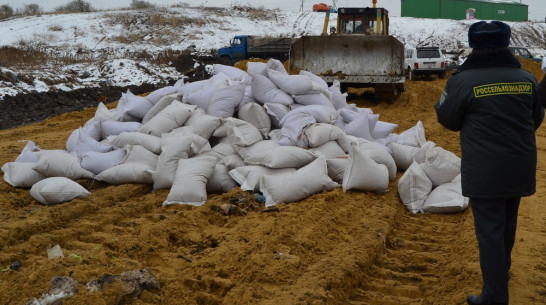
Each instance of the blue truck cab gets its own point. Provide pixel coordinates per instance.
(237, 49)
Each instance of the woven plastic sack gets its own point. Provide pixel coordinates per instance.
(190, 182)
(414, 187)
(21, 174)
(363, 173)
(57, 190)
(61, 164)
(446, 198)
(289, 187)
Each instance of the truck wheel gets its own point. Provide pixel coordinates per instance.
(225, 60)
(442, 75)
(387, 93)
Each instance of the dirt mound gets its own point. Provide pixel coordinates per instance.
(331, 248)
(24, 109)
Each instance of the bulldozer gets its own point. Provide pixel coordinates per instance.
(359, 52)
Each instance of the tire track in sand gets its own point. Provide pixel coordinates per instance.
(420, 261)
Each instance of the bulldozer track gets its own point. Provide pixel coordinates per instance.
(415, 260)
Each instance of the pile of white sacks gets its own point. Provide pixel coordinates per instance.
(285, 136)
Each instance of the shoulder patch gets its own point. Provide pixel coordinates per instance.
(503, 88)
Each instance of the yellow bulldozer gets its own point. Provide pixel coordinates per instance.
(358, 53)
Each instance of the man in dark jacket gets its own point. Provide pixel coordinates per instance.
(496, 107)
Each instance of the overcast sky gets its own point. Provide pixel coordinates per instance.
(537, 8)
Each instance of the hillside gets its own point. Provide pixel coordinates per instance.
(131, 47)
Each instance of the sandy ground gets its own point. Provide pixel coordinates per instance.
(331, 248)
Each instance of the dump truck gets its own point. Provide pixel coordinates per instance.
(247, 46)
(359, 53)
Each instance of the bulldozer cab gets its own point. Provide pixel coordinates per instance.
(367, 20)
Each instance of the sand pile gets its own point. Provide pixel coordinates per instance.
(331, 248)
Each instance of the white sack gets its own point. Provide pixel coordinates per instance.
(155, 96)
(420, 154)
(275, 64)
(256, 68)
(220, 181)
(281, 157)
(339, 100)
(233, 161)
(21, 174)
(414, 136)
(203, 124)
(93, 130)
(242, 133)
(172, 117)
(173, 148)
(275, 135)
(359, 127)
(336, 168)
(85, 143)
(404, 155)
(61, 164)
(127, 173)
(414, 187)
(296, 120)
(322, 133)
(383, 129)
(294, 84)
(192, 87)
(380, 155)
(150, 142)
(190, 182)
(111, 127)
(199, 145)
(57, 190)
(276, 112)
(133, 105)
(265, 91)
(315, 78)
(29, 153)
(248, 97)
(137, 154)
(314, 99)
(248, 177)
(256, 115)
(441, 166)
(362, 173)
(226, 99)
(160, 105)
(103, 113)
(446, 198)
(256, 148)
(232, 73)
(329, 150)
(97, 162)
(289, 187)
(203, 95)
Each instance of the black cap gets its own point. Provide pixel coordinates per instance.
(494, 34)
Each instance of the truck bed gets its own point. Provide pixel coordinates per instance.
(268, 45)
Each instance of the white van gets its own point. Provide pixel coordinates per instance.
(424, 61)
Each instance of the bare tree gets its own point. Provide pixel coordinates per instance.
(6, 11)
(32, 9)
(75, 6)
(141, 4)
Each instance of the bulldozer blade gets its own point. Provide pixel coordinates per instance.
(366, 60)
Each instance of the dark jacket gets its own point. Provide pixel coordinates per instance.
(542, 91)
(495, 106)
